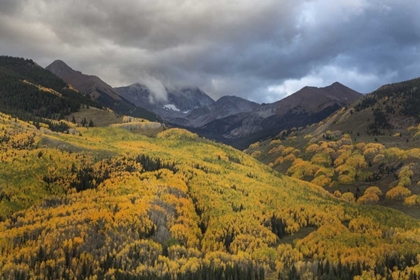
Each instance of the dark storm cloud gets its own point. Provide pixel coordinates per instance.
(261, 50)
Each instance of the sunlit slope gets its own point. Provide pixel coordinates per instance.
(338, 155)
(108, 202)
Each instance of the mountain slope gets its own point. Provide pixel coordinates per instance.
(224, 107)
(312, 100)
(187, 107)
(112, 203)
(307, 106)
(374, 142)
(32, 93)
(97, 89)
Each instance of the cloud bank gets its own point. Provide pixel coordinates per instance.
(260, 50)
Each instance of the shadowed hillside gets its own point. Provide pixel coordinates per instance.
(32, 93)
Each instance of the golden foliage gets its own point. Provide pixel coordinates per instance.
(278, 160)
(394, 153)
(360, 146)
(177, 134)
(288, 150)
(277, 149)
(405, 182)
(373, 189)
(312, 148)
(321, 159)
(413, 153)
(254, 145)
(368, 198)
(322, 181)
(337, 193)
(348, 196)
(291, 138)
(413, 200)
(405, 171)
(91, 207)
(275, 142)
(370, 150)
(341, 159)
(398, 193)
(356, 161)
(290, 158)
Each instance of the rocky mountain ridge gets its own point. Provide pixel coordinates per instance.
(231, 119)
(97, 89)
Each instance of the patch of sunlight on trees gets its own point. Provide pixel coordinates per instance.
(177, 134)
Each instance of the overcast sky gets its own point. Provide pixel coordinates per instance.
(262, 50)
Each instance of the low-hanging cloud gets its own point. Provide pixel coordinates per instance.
(260, 50)
(156, 88)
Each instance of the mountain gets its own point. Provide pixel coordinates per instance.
(224, 107)
(31, 93)
(187, 107)
(113, 204)
(311, 100)
(97, 89)
(307, 106)
(373, 142)
(178, 104)
(232, 120)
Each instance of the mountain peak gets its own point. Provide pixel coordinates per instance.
(234, 99)
(59, 63)
(59, 67)
(337, 85)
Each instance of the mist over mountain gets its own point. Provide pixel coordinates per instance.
(230, 119)
(177, 104)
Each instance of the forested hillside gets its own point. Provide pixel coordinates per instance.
(371, 145)
(29, 92)
(107, 203)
